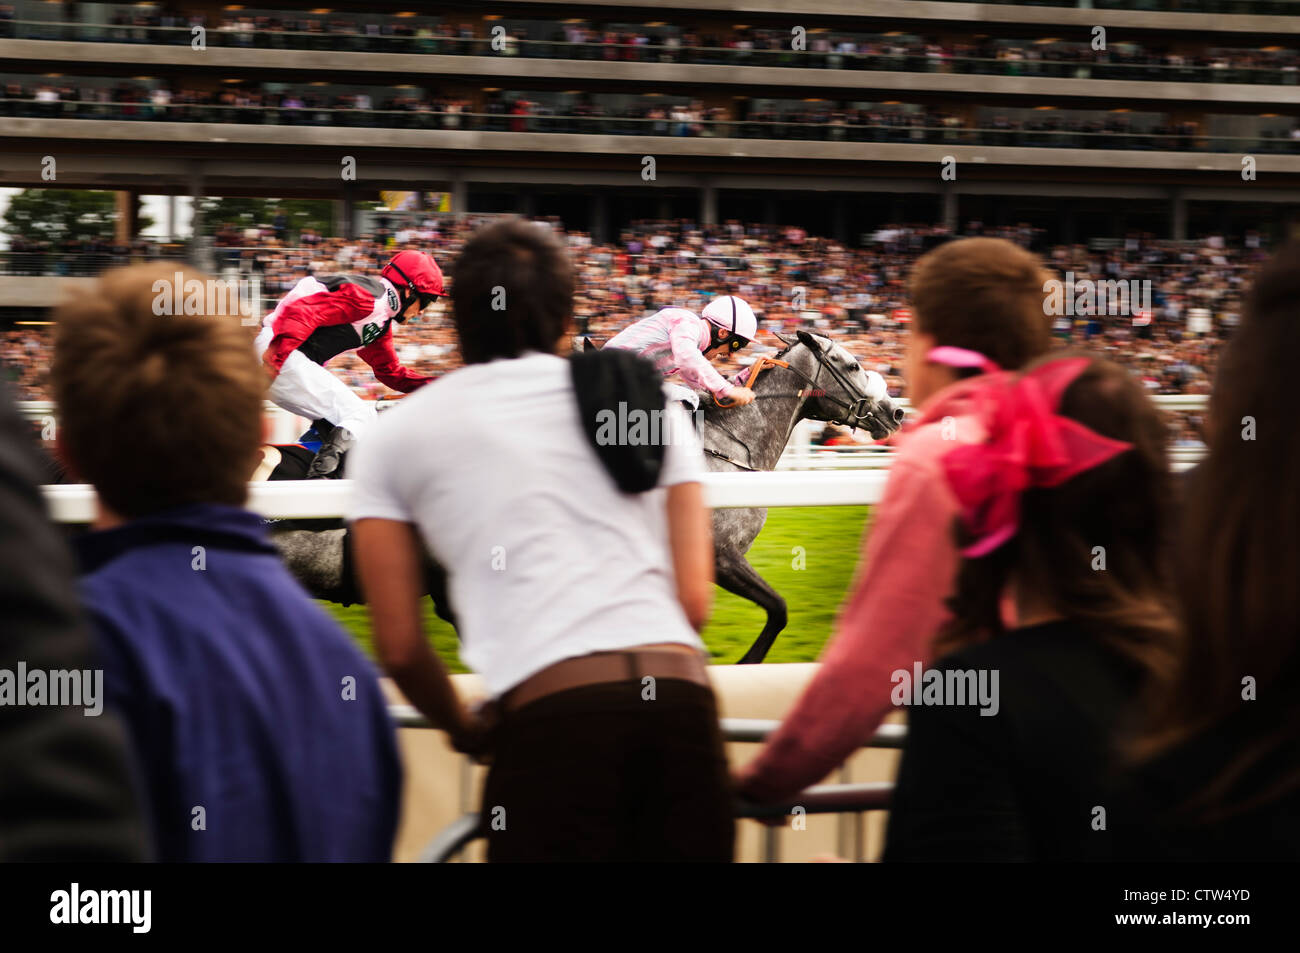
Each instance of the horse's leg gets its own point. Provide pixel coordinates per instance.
(319, 560)
(736, 575)
(322, 561)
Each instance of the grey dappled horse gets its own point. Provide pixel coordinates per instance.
(822, 382)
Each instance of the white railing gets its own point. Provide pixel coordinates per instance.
(850, 477)
(866, 458)
(323, 499)
(802, 454)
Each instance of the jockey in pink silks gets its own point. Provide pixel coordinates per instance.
(678, 342)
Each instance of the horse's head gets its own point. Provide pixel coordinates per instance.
(839, 390)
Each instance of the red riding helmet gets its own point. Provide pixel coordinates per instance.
(415, 275)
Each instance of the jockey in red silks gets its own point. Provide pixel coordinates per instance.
(324, 316)
(678, 341)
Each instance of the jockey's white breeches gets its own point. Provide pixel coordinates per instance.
(305, 388)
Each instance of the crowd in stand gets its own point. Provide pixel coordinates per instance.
(823, 120)
(1144, 709)
(686, 44)
(792, 279)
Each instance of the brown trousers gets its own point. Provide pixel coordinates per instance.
(600, 774)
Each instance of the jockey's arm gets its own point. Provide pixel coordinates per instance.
(388, 370)
(300, 318)
(692, 365)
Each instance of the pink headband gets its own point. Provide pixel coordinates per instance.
(961, 357)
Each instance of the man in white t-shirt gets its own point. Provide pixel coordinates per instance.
(577, 602)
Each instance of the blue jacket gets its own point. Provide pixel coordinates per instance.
(242, 696)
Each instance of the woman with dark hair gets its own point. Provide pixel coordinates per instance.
(1061, 618)
(1219, 771)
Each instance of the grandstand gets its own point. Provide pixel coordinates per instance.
(535, 109)
(553, 111)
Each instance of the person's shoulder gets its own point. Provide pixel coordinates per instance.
(130, 578)
(136, 597)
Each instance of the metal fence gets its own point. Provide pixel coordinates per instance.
(842, 798)
(903, 128)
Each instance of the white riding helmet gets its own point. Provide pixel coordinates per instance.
(735, 315)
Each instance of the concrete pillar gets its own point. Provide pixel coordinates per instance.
(346, 210)
(708, 205)
(459, 197)
(126, 224)
(950, 208)
(200, 245)
(1069, 225)
(839, 222)
(599, 218)
(196, 197)
(171, 218)
(1178, 216)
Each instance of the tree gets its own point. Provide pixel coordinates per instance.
(242, 212)
(58, 215)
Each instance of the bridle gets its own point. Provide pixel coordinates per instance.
(858, 411)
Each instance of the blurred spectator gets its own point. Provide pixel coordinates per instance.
(66, 790)
(259, 729)
(1220, 776)
(582, 620)
(1054, 646)
(976, 301)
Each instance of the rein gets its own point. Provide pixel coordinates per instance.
(761, 363)
(856, 411)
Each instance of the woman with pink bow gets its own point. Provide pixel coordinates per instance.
(1062, 620)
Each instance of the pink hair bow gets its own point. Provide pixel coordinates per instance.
(1029, 445)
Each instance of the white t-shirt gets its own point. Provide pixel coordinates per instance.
(546, 558)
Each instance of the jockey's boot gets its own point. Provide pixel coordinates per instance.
(327, 458)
